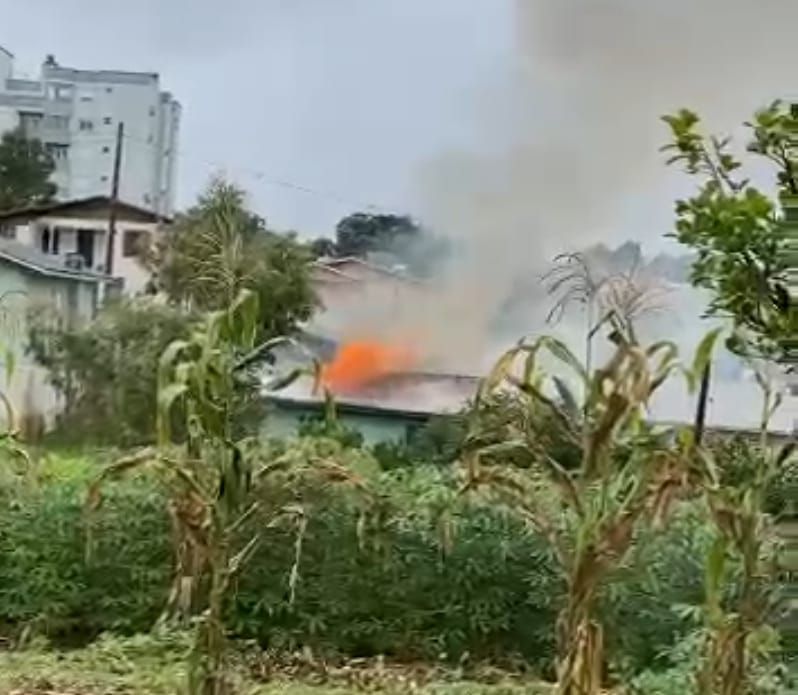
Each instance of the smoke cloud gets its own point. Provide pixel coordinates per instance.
(570, 157)
(572, 144)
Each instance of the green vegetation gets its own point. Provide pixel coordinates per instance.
(547, 534)
(25, 168)
(737, 231)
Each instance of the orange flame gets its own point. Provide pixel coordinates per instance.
(358, 363)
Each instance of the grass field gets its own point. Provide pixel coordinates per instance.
(147, 666)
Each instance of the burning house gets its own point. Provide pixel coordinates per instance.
(385, 385)
(381, 384)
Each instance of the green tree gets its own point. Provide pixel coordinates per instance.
(106, 370)
(362, 233)
(219, 247)
(25, 169)
(738, 232)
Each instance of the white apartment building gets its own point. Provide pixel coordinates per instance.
(76, 114)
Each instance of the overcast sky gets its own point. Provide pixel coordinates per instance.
(348, 97)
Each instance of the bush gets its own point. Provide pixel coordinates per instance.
(436, 578)
(106, 371)
(45, 579)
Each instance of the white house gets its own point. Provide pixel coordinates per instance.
(33, 283)
(76, 233)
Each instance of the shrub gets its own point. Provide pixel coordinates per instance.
(106, 371)
(45, 580)
(435, 577)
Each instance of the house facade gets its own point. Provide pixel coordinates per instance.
(75, 234)
(41, 285)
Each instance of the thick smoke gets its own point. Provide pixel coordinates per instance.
(570, 157)
(571, 149)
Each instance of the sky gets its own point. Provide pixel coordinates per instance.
(347, 98)
(524, 127)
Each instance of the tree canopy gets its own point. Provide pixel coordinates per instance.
(25, 169)
(388, 239)
(218, 247)
(738, 232)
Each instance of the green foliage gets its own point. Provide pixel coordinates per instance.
(735, 229)
(360, 233)
(432, 576)
(626, 476)
(46, 585)
(385, 239)
(105, 370)
(218, 248)
(25, 169)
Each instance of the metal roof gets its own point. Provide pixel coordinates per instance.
(43, 263)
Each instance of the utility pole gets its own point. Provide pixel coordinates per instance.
(109, 247)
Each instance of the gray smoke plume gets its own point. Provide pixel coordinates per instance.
(570, 156)
(571, 145)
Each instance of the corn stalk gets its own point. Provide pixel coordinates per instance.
(745, 533)
(215, 482)
(627, 472)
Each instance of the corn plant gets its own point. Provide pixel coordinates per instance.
(627, 472)
(218, 484)
(739, 631)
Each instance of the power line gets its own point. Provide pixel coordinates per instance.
(259, 175)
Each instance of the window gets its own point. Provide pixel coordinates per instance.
(108, 90)
(57, 151)
(86, 97)
(60, 92)
(55, 242)
(106, 149)
(30, 122)
(104, 178)
(134, 242)
(57, 122)
(85, 124)
(152, 110)
(107, 120)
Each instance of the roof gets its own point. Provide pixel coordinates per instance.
(52, 266)
(338, 265)
(92, 202)
(353, 408)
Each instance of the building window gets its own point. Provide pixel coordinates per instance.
(85, 124)
(55, 242)
(57, 122)
(30, 123)
(134, 242)
(108, 90)
(57, 151)
(106, 149)
(87, 96)
(152, 110)
(107, 120)
(104, 178)
(60, 92)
